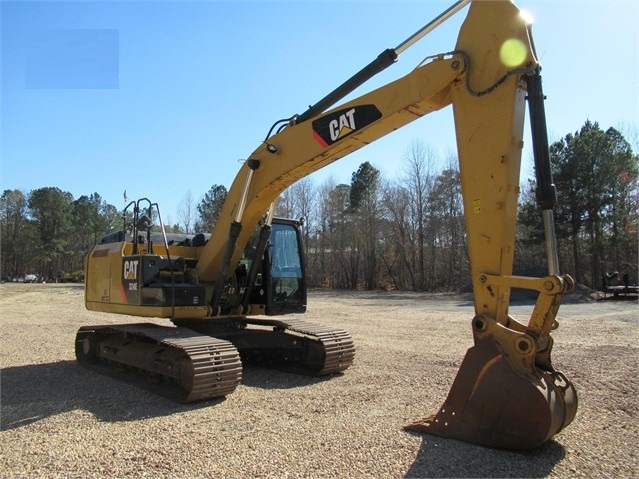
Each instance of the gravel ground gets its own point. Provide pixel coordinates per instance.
(61, 420)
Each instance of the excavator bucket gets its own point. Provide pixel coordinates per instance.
(500, 401)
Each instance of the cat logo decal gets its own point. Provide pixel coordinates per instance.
(342, 123)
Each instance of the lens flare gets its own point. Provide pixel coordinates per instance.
(513, 53)
(527, 17)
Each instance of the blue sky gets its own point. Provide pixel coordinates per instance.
(160, 98)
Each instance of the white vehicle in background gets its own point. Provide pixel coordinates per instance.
(31, 278)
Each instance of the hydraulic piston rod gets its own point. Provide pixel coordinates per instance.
(383, 61)
(546, 193)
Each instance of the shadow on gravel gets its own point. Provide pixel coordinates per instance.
(439, 457)
(259, 377)
(34, 392)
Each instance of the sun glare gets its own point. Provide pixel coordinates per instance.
(527, 17)
(512, 53)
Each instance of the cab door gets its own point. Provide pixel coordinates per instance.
(284, 261)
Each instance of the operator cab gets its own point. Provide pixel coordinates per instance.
(280, 280)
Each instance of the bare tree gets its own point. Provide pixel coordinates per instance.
(450, 260)
(401, 237)
(630, 131)
(186, 211)
(421, 161)
(284, 206)
(304, 201)
(335, 249)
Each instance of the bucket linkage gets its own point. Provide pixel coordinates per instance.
(506, 393)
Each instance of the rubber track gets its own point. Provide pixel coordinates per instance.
(338, 344)
(217, 368)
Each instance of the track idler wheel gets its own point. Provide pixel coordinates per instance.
(86, 347)
(502, 399)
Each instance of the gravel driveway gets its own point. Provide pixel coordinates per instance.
(61, 420)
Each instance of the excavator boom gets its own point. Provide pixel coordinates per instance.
(507, 393)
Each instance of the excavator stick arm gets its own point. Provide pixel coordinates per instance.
(506, 393)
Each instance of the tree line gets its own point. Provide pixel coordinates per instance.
(407, 233)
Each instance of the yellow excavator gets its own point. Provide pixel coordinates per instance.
(226, 292)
